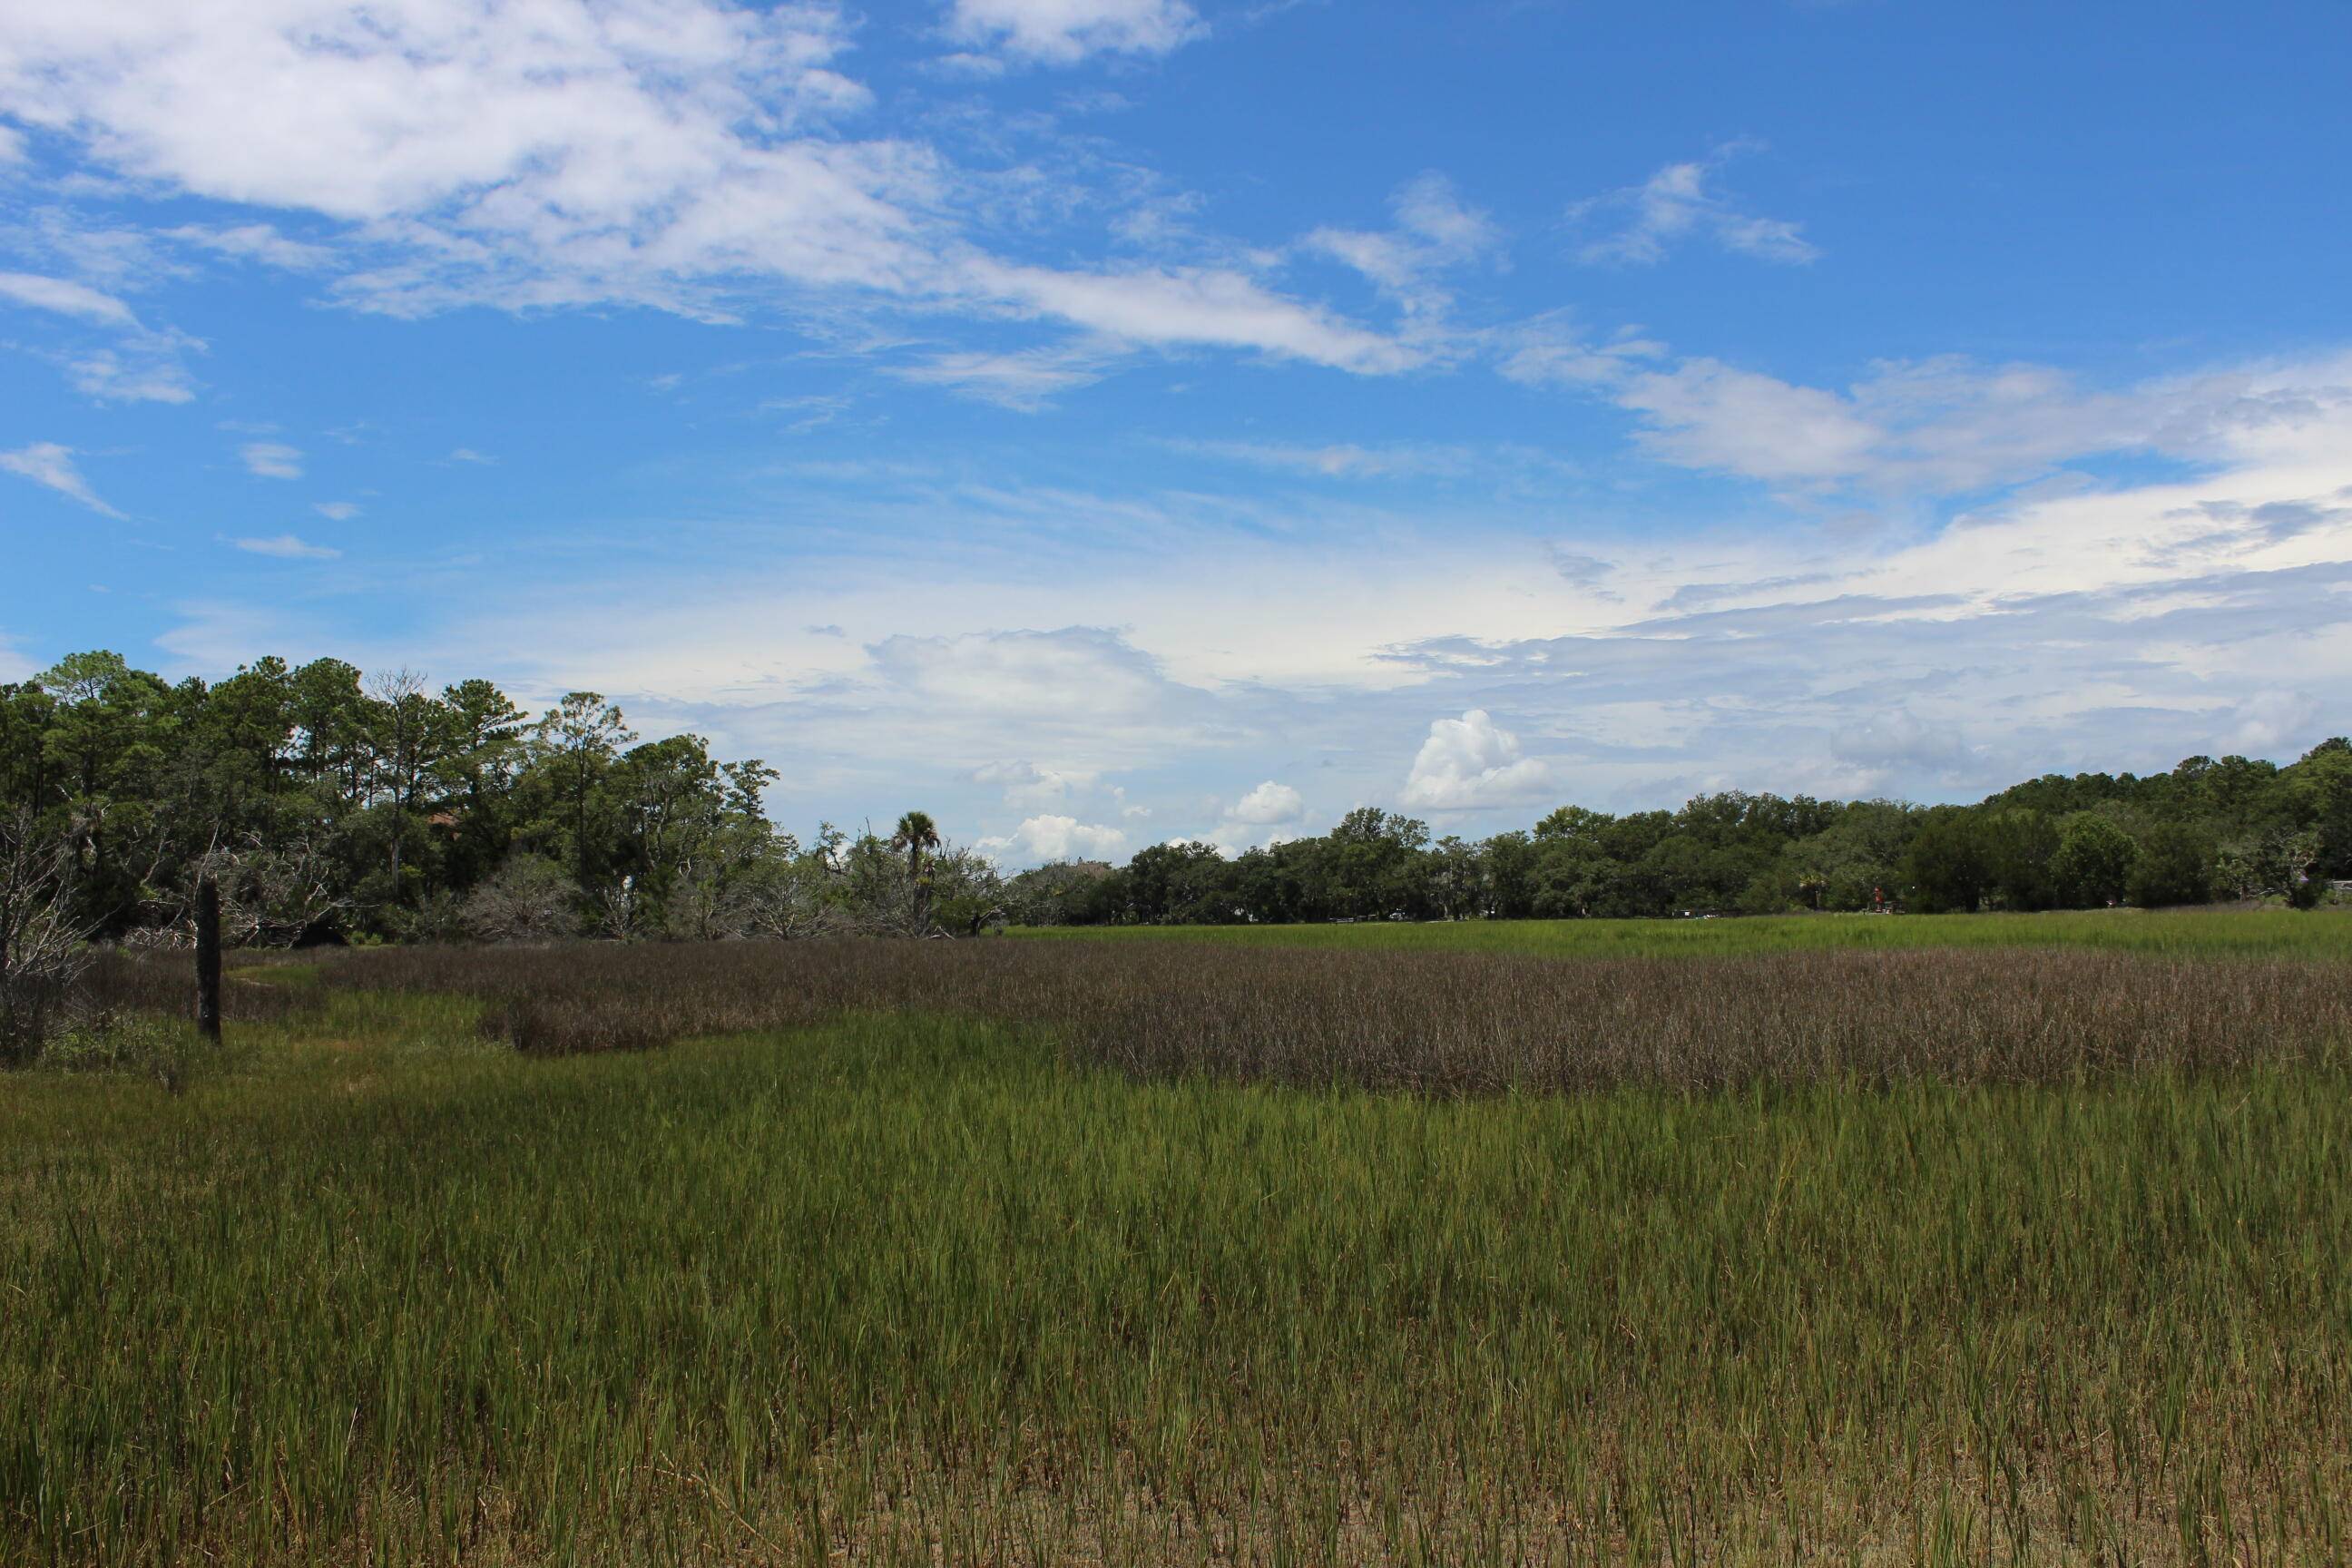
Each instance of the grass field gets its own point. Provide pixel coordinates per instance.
(2262, 932)
(910, 1253)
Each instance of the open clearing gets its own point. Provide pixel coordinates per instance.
(1049, 1251)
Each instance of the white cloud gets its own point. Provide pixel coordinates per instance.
(140, 375)
(1338, 459)
(1949, 425)
(144, 365)
(286, 547)
(1704, 415)
(1675, 205)
(271, 460)
(1552, 350)
(1081, 674)
(682, 157)
(255, 242)
(1159, 306)
(1470, 763)
(1063, 31)
(1267, 804)
(337, 511)
(66, 299)
(1025, 381)
(1435, 230)
(47, 463)
(1053, 837)
(467, 455)
(1026, 785)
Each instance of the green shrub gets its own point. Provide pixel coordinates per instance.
(141, 1044)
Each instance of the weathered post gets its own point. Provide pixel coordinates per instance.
(208, 959)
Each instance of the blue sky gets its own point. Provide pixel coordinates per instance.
(1101, 421)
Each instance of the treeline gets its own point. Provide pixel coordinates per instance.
(330, 806)
(2233, 828)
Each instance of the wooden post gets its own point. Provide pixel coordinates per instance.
(208, 959)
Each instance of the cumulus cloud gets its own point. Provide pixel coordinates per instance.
(1054, 837)
(337, 511)
(1064, 32)
(50, 464)
(1471, 762)
(286, 547)
(271, 460)
(1677, 205)
(1268, 804)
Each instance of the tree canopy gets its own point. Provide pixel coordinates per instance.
(331, 804)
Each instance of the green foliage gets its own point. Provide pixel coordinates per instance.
(2175, 865)
(337, 806)
(138, 1045)
(331, 806)
(2095, 862)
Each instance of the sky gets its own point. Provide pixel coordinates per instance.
(1099, 422)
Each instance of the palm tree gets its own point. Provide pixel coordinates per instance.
(916, 834)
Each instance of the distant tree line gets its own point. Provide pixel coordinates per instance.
(2232, 828)
(330, 806)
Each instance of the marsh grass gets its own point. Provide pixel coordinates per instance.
(1047, 1253)
(1438, 1023)
(913, 1289)
(2216, 932)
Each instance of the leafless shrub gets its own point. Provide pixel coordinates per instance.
(274, 894)
(530, 900)
(43, 947)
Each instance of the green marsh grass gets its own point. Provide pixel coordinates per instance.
(936, 1284)
(2325, 933)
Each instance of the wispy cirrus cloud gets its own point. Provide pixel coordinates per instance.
(1064, 32)
(271, 459)
(1030, 784)
(1681, 203)
(64, 296)
(50, 465)
(286, 547)
(1435, 232)
(1026, 379)
(1952, 426)
(258, 242)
